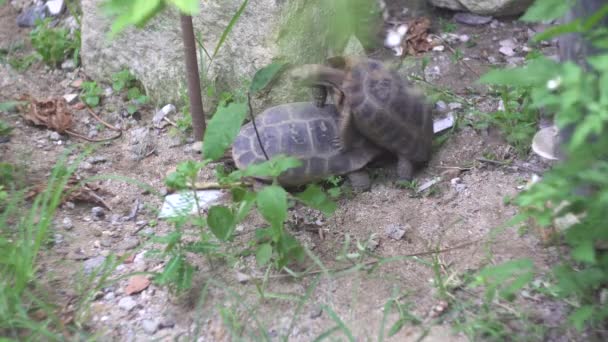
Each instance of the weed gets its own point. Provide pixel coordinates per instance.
(517, 121)
(22, 63)
(457, 56)
(410, 185)
(54, 44)
(5, 129)
(91, 93)
(447, 26)
(125, 80)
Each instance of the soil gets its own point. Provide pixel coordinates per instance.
(461, 216)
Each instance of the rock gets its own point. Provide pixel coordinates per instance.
(128, 244)
(67, 223)
(167, 322)
(149, 326)
(109, 296)
(28, 17)
(137, 284)
(316, 312)
(166, 110)
(394, 231)
(138, 135)
(57, 238)
(266, 29)
(495, 8)
(93, 263)
(98, 213)
(70, 98)
(68, 65)
(127, 303)
(54, 136)
(472, 19)
(507, 51)
(96, 159)
(438, 48)
(55, 7)
(197, 147)
(455, 105)
(441, 106)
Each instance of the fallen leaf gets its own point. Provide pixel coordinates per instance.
(52, 113)
(137, 284)
(416, 40)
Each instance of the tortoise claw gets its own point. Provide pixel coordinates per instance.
(337, 144)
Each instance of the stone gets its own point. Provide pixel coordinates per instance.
(149, 326)
(28, 17)
(54, 136)
(266, 29)
(98, 213)
(394, 231)
(67, 223)
(127, 303)
(472, 19)
(93, 263)
(137, 284)
(495, 8)
(68, 65)
(55, 7)
(70, 98)
(166, 110)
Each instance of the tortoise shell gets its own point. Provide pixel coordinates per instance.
(307, 132)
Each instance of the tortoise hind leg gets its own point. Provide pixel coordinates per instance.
(359, 181)
(347, 132)
(405, 170)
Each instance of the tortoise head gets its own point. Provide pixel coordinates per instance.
(316, 74)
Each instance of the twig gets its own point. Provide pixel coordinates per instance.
(369, 263)
(170, 122)
(102, 121)
(77, 135)
(454, 52)
(255, 128)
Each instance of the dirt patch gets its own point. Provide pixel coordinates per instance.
(456, 215)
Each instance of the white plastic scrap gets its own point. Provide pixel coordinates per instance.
(444, 123)
(184, 203)
(394, 39)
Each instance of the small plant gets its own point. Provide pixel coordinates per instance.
(54, 44)
(91, 93)
(447, 26)
(125, 80)
(457, 56)
(5, 129)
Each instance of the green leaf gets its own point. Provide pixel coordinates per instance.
(170, 271)
(272, 203)
(201, 247)
(245, 205)
(184, 277)
(580, 316)
(222, 129)
(228, 28)
(10, 106)
(221, 221)
(584, 252)
(314, 197)
(263, 254)
(546, 10)
(599, 63)
(551, 32)
(189, 7)
(266, 75)
(271, 168)
(536, 73)
(92, 101)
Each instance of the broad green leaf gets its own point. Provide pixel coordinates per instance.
(314, 197)
(228, 28)
(272, 203)
(581, 316)
(552, 32)
(221, 222)
(263, 254)
(536, 73)
(271, 168)
(265, 76)
(599, 63)
(584, 252)
(222, 129)
(10, 106)
(542, 10)
(190, 7)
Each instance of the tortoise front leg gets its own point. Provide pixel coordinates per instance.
(347, 129)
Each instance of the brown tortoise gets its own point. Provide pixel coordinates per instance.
(307, 132)
(377, 103)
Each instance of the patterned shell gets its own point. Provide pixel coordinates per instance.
(304, 131)
(386, 108)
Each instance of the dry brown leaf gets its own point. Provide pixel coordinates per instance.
(137, 284)
(52, 113)
(74, 192)
(416, 40)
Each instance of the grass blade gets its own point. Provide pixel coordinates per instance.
(228, 28)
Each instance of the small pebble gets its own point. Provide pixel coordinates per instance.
(127, 304)
(68, 65)
(93, 263)
(316, 312)
(394, 231)
(441, 106)
(58, 238)
(70, 98)
(54, 136)
(471, 19)
(28, 17)
(455, 105)
(98, 213)
(67, 223)
(149, 326)
(109, 296)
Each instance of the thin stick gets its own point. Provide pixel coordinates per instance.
(255, 127)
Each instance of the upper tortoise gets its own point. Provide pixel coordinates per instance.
(376, 102)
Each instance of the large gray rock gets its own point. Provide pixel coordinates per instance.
(495, 8)
(154, 54)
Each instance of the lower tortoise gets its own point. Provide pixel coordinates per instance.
(307, 132)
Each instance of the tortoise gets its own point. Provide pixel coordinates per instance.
(305, 131)
(377, 103)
